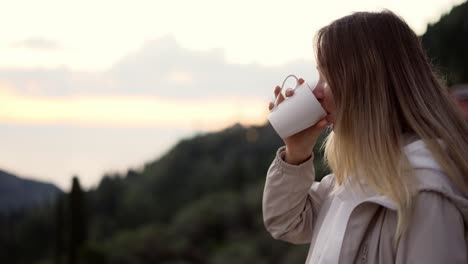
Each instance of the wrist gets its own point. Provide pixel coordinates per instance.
(296, 157)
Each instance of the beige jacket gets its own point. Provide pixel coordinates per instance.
(294, 204)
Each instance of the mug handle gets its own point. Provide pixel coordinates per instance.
(275, 104)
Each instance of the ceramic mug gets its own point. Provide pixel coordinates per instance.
(297, 112)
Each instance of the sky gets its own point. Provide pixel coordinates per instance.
(89, 88)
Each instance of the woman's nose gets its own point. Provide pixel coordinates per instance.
(318, 91)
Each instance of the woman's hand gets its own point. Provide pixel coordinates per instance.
(299, 147)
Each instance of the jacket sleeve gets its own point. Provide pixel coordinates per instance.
(292, 199)
(436, 233)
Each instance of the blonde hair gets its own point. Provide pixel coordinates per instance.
(384, 87)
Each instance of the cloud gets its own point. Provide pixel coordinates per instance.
(160, 68)
(63, 122)
(37, 43)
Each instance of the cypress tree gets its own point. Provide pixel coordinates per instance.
(78, 223)
(59, 229)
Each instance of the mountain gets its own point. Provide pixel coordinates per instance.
(234, 159)
(198, 203)
(17, 193)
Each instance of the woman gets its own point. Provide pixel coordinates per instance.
(398, 152)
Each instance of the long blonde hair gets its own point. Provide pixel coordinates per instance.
(384, 87)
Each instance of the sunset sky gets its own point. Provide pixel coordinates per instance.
(92, 87)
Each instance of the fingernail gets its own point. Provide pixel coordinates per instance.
(301, 81)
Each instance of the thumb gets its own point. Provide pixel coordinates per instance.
(322, 123)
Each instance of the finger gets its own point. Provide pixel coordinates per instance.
(300, 81)
(270, 106)
(277, 91)
(280, 98)
(322, 123)
(289, 92)
(319, 125)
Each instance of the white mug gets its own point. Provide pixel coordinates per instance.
(297, 112)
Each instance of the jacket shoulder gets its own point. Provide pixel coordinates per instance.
(438, 182)
(435, 223)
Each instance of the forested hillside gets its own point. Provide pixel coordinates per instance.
(446, 43)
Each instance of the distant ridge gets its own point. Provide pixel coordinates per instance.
(17, 193)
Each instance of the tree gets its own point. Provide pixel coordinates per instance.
(78, 221)
(59, 229)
